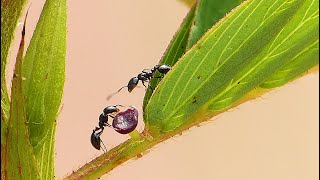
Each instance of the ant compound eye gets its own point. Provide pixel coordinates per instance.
(95, 140)
(126, 121)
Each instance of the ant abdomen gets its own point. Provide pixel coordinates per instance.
(132, 83)
(95, 139)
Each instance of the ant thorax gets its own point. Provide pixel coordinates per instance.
(145, 76)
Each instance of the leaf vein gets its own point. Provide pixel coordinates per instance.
(212, 47)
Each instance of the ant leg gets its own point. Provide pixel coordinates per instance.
(107, 124)
(159, 77)
(152, 89)
(149, 85)
(119, 105)
(144, 84)
(104, 147)
(96, 129)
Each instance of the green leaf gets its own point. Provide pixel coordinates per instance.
(208, 12)
(44, 76)
(306, 59)
(189, 3)
(202, 16)
(18, 159)
(245, 49)
(174, 51)
(10, 13)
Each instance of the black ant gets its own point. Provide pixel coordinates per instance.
(124, 123)
(145, 76)
(103, 122)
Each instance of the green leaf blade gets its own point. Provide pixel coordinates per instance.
(202, 16)
(211, 78)
(10, 13)
(44, 76)
(175, 50)
(188, 2)
(281, 50)
(18, 158)
(208, 12)
(304, 61)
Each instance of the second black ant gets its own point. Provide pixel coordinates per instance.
(145, 76)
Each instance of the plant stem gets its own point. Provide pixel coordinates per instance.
(118, 155)
(135, 134)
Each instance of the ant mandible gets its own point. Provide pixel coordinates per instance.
(146, 76)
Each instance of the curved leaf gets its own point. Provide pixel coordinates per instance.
(18, 160)
(208, 12)
(174, 51)
(188, 2)
(202, 16)
(306, 59)
(233, 58)
(44, 75)
(10, 13)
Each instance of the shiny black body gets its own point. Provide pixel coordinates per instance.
(146, 76)
(123, 122)
(95, 139)
(103, 122)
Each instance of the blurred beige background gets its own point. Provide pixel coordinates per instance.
(273, 137)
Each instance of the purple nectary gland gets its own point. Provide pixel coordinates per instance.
(126, 121)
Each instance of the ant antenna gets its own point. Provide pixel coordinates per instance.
(121, 88)
(145, 70)
(119, 105)
(112, 94)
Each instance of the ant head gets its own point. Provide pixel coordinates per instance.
(110, 109)
(132, 83)
(95, 140)
(164, 69)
